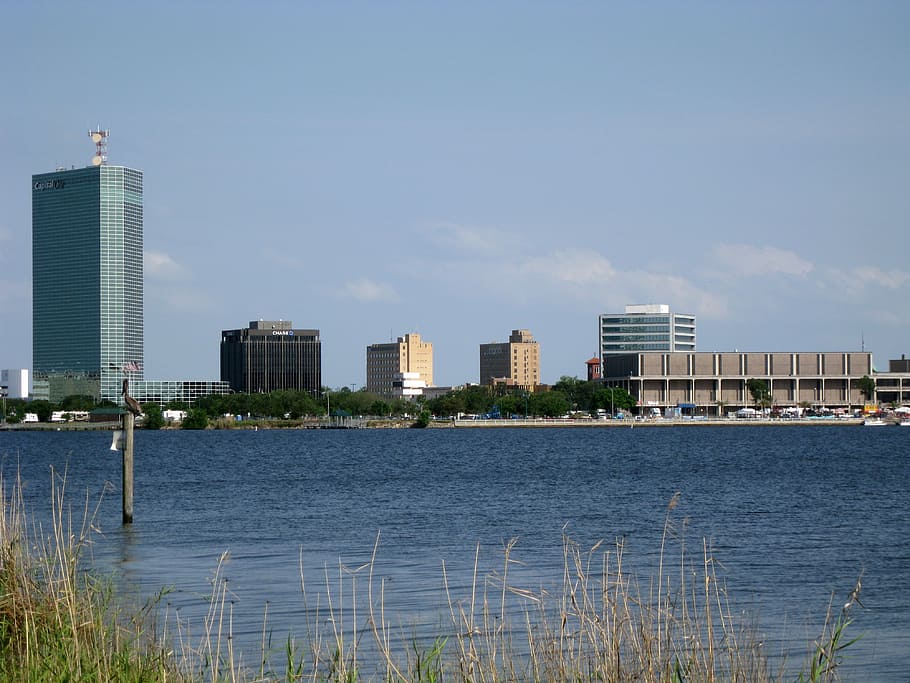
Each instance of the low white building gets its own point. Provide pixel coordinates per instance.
(69, 416)
(408, 385)
(15, 383)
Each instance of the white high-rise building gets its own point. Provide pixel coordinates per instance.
(645, 327)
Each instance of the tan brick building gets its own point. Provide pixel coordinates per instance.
(516, 362)
(387, 363)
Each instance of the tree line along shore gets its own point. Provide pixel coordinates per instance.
(568, 402)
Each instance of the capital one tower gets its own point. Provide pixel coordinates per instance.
(87, 293)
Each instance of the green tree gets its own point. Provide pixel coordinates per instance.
(866, 386)
(380, 408)
(509, 405)
(15, 409)
(196, 418)
(477, 399)
(260, 405)
(473, 399)
(306, 404)
(570, 387)
(42, 409)
(360, 402)
(343, 399)
(153, 416)
(400, 406)
(549, 403)
(758, 389)
(280, 403)
(77, 402)
(447, 405)
(613, 399)
(211, 404)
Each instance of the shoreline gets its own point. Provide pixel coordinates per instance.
(538, 423)
(658, 423)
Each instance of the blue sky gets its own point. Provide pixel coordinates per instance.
(464, 169)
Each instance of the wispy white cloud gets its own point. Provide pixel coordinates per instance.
(162, 289)
(464, 238)
(859, 283)
(750, 261)
(872, 276)
(685, 295)
(368, 291)
(590, 279)
(572, 266)
(573, 276)
(160, 265)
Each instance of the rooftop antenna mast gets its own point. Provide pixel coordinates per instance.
(99, 137)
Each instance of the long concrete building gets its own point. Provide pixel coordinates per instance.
(893, 387)
(710, 383)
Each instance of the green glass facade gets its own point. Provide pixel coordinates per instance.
(87, 281)
(163, 392)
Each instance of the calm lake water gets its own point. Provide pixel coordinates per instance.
(795, 514)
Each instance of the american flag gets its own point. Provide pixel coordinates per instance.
(130, 366)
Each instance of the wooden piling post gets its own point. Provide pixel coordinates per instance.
(128, 419)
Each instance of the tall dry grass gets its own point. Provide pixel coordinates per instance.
(58, 622)
(600, 623)
(597, 622)
(603, 626)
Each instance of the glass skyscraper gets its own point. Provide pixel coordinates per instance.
(87, 291)
(645, 327)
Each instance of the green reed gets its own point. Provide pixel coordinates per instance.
(597, 622)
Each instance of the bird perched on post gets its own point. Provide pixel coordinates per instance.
(132, 404)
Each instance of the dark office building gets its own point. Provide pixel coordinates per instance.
(271, 355)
